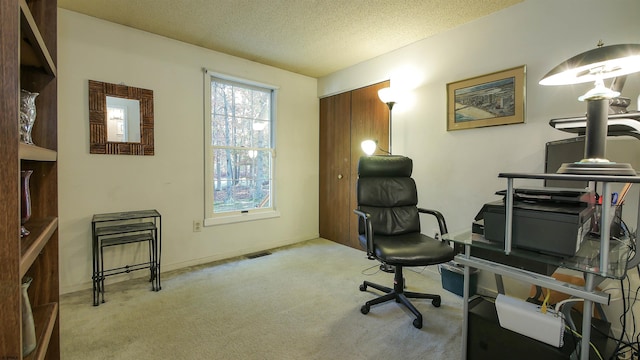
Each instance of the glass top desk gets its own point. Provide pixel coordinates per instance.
(598, 257)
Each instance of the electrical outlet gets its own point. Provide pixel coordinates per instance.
(197, 225)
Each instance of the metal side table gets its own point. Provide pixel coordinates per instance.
(122, 228)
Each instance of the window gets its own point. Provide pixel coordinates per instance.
(239, 148)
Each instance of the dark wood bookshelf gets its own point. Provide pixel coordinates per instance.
(28, 53)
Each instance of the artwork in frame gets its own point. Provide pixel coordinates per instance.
(488, 100)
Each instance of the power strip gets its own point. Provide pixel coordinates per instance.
(527, 319)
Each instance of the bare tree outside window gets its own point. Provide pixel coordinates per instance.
(241, 145)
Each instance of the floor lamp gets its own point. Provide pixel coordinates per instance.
(603, 62)
(387, 96)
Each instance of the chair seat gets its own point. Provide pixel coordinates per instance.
(413, 249)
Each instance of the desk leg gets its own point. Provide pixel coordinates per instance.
(586, 318)
(465, 305)
(499, 284)
(155, 271)
(94, 276)
(102, 271)
(159, 253)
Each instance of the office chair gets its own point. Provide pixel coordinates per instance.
(389, 227)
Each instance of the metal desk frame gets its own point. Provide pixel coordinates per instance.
(587, 292)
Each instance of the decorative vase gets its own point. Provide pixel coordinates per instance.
(25, 201)
(27, 115)
(28, 327)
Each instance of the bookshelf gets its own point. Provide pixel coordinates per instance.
(28, 61)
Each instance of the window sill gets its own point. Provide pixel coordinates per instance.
(236, 218)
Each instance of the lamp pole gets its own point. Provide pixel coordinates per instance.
(390, 105)
(389, 97)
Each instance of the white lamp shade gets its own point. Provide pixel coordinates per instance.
(387, 95)
(600, 63)
(369, 147)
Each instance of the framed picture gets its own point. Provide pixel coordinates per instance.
(487, 100)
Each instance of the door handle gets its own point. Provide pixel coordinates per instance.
(339, 176)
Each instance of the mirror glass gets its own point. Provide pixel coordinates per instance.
(120, 119)
(123, 120)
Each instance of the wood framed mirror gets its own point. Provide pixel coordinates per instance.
(120, 119)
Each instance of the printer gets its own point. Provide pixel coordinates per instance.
(552, 221)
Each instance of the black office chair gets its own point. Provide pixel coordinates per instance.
(389, 227)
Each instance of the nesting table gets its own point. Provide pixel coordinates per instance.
(119, 229)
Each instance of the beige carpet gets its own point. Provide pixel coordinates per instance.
(300, 302)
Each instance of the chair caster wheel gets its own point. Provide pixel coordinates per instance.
(417, 324)
(363, 287)
(436, 302)
(364, 309)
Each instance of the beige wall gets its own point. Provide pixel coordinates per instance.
(458, 171)
(172, 180)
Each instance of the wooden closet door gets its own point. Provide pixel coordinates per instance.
(345, 121)
(369, 120)
(335, 167)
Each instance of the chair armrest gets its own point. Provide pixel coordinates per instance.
(438, 215)
(368, 231)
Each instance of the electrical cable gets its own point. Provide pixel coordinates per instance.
(609, 337)
(628, 307)
(631, 305)
(421, 271)
(364, 272)
(628, 302)
(638, 270)
(575, 333)
(633, 340)
(560, 303)
(623, 320)
(543, 308)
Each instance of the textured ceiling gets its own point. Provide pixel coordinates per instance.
(309, 37)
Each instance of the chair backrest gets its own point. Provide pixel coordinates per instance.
(387, 192)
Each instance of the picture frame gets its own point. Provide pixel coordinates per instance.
(488, 100)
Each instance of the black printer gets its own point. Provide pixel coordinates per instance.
(553, 221)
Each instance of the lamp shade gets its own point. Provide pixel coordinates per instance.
(369, 146)
(387, 95)
(602, 62)
(594, 66)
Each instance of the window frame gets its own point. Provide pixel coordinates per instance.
(210, 218)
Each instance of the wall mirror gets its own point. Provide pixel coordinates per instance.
(120, 119)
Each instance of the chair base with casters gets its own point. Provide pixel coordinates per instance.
(399, 295)
(389, 228)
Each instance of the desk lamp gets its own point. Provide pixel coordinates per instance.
(595, 65)
(370, 146)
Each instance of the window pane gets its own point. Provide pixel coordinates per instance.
(243, 122)
(242, 179)
(261, 133)
(241, 146)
